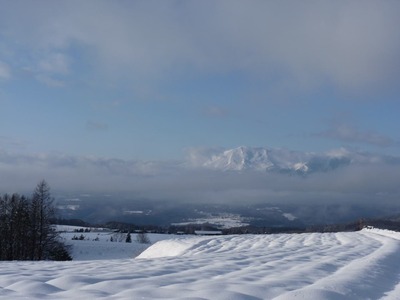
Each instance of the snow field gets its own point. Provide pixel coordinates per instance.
(97, 245)
(353, 265)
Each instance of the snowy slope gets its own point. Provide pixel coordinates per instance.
(356, 265)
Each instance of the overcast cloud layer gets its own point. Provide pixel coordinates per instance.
(353, 46)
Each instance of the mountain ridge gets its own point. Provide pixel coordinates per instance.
(266, 159)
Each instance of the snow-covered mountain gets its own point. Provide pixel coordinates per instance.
(270, 159)
(241, 158)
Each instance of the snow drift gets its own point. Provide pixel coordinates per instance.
(353, 265)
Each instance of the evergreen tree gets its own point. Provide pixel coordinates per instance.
(128, 238)
(25, 227)
(19, 226)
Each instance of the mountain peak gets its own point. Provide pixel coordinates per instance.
(268, 159)
(240, 158)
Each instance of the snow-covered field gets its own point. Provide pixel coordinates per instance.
(354, 265)
(97, 245)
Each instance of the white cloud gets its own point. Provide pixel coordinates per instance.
(50, 81)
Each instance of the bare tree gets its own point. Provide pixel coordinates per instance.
(42, 211)
(44, 238)
(142, 238)
(14, 227)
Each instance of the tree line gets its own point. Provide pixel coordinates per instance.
(26, 232)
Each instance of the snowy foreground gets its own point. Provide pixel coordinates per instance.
(356, 265)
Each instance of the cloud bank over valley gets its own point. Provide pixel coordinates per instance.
(240, 175)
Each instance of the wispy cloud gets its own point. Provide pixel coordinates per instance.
(5, 72)
(52, 69)
(96, 126)
(50, 81)
(54, 63)
(7, 142)
(215, 111)
(105, 105)
(351, 134)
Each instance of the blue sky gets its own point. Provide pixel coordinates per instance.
(145, 80)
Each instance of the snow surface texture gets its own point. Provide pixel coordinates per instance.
(354, 265)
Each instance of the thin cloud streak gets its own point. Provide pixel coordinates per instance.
(215, 111)
(5, 72)
(96, 126)
(350, 134)
(7, 142)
